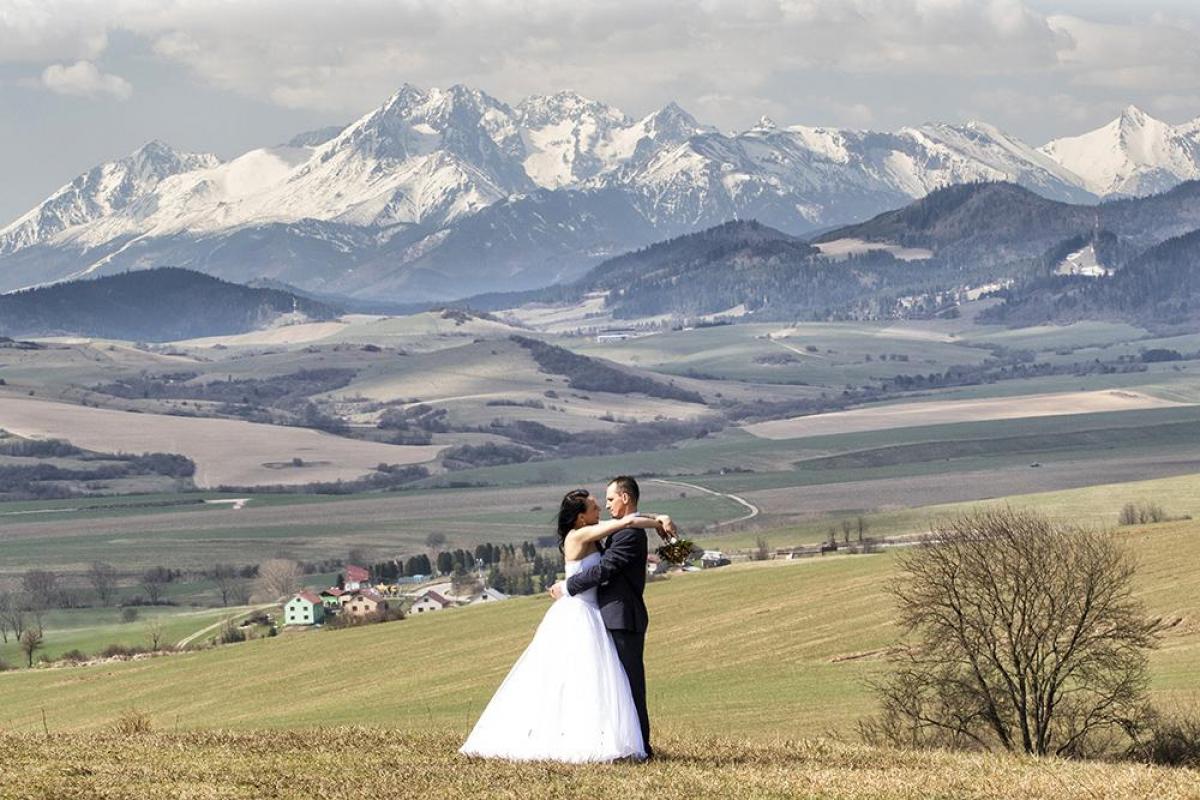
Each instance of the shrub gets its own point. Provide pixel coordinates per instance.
(132, 723)
(120, 651)
(1171, 738)
(1144, 514)
(231, 634)
(74, 656)
(129, 614)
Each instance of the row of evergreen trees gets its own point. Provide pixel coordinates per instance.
(510, 568)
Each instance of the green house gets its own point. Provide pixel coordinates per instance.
(304, 609)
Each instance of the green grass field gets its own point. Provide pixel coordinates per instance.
(90, 630)
(759, 650)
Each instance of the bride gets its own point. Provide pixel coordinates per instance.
(567, 697)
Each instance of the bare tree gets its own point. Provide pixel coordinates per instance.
(31, 642)
(240, 592)
(103, 578)
(434, 542)
(226, 578)
(846, 528)
(12, 615)
(154, 581)
(1021, 634)
(41, 589)
(155, 633)
(862, 528)
(278, 577)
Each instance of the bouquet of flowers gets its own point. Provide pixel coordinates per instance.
(677, 550)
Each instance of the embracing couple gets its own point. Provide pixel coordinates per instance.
(578, 692)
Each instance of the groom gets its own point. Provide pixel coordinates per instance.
(621, 578)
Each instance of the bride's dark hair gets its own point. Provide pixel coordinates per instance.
(574, 503)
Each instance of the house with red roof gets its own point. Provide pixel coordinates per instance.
(332, 598)
(431, 601)
(354, 578)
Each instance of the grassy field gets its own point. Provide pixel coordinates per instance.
(303, 527)
(90, 630)
(758, 650)
(381, 762)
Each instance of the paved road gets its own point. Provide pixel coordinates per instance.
(751, 509)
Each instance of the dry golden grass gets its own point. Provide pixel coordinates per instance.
(377, 762)
(229, 452)
(941, 412)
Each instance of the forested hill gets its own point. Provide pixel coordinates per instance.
(738, 263)
(1158, 288)
(150, 305)
(983, 223)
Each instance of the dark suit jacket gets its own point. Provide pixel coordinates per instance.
(621, 578)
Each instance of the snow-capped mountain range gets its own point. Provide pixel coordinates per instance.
(444, 193)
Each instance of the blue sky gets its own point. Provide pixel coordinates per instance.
(83, 82)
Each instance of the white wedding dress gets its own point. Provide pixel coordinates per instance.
(567, 697)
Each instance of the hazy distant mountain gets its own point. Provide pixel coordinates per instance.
(151, 305)
(437, 193)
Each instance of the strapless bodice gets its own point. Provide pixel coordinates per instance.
(574, 567)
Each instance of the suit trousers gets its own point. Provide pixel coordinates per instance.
(631, 648)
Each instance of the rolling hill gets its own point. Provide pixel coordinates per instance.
(151, 305)
(760, 650)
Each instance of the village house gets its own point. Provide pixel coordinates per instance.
(430, 601)
(332, 598)
(305, 608)
(354, 578)
(365, 603)
(488, 595)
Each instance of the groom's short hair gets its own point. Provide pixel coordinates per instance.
(628, 485)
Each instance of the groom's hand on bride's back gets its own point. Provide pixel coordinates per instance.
(558, 590)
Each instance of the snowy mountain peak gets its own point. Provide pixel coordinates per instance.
(538, 111)
(1133, 115)
(1133, 154)
(765, 123)
(103, 190)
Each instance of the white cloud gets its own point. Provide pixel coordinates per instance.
(84, 79)
(351, 54)
(34, 31)
(729, 60)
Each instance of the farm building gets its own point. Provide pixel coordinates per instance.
(305, 608)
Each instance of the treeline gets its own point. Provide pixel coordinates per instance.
(589, 374)
(40, 480)
(533, 441)
(511, 568)
(283, 391)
